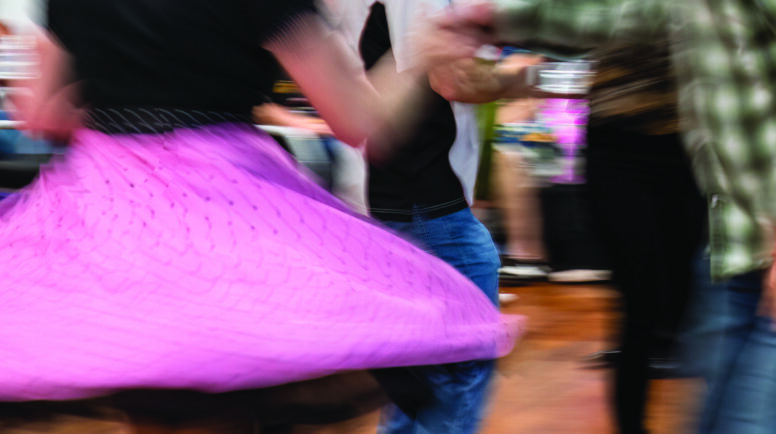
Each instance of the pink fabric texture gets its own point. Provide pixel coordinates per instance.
(204, 259)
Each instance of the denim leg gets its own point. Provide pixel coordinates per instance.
(461, 389)
(745, 391)
(714, 345)
(460, 240)
(410, 231)
(703, 335)
(742, 383)
(392, 419)
(463, 242)
(700, 337)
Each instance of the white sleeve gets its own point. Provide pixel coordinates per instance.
(22, 14)
(405, 17)
(349, 17)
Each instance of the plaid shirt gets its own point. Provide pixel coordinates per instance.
(724, 54)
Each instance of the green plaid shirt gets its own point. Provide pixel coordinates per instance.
(724, 52)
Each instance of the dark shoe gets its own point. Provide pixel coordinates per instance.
(513, 261)
(603, 359)
(517, 275)
(659, 367)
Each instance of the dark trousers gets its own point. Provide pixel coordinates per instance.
(650, 216)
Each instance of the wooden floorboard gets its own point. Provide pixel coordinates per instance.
(544, 387)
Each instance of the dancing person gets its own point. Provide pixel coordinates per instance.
(722, 53)
(176, 246)
(642, 193)
(424, 192)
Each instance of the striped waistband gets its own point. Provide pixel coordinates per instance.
(124, 120)
(423, 211)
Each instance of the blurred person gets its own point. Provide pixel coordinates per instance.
(340, 167)
(648, 212)
(304, 135)
(722, 54)
(6, 140)
(270, 113)
(505, 177)
(175, 247)
(425, 191)
(286, 105)
(517, 195)
(5, 31)
(14, 145)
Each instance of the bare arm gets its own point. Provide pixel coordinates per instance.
(355, 106)
(381, 106)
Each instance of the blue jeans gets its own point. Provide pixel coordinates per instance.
(740, 357)
(460, 389)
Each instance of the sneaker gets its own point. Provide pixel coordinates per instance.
(580, 276)
(515, 275)
(506, 298)
(524, 271)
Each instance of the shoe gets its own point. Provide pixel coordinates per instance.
(524, 271)
(506, 298)
(659, 367)
(512, 260)
(515, 275)
(580, 276)
(603, 359)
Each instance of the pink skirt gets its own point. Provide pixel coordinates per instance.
(204, 259)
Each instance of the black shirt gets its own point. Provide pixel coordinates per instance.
(184, 54)
(420, 175)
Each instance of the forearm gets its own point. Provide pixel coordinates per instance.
(356, 107)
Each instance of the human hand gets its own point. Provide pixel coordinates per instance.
(55, 118)
(46, 103)
(479, 81)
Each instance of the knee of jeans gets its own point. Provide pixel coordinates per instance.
(483, 251)
(490, 264)
(476, 373)
(493, 260)
(464, 380)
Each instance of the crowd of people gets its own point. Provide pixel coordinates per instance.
(174, 262)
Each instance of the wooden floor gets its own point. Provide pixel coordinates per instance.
(543, 386)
